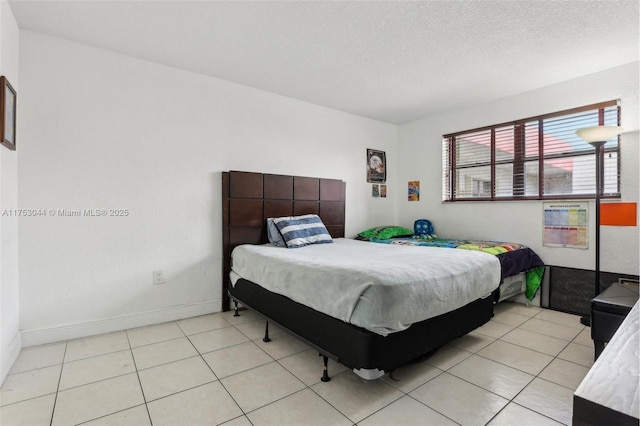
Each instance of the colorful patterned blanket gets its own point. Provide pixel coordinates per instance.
(514, 258)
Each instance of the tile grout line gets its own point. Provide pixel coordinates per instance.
(473, 384)
(407, 394)
(530, 381)
(55, 398)
(135, 365)
(431, 408)
(554, 357)
(216, 376)
(309, 387)
(201, 355)
(387, 405)
(536, 376)
(568, 342)
(329, 402)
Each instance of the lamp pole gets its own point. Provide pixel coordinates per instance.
(597, 136)
(598, 146)
(586, 319)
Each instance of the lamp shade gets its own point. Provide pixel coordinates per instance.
(598, 133)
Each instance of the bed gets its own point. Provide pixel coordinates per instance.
(521, 268)
(248, 200)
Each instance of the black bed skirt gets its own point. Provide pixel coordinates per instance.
(356, 347)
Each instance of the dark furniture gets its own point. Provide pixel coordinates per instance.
(248, 199)
(608, 394)
(608, 310)
(354, 346)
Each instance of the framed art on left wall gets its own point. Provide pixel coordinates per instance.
(8, 99)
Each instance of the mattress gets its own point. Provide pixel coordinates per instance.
(381, 288)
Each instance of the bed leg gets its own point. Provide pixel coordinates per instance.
(325, 374)
(266, 333)
(235, 314)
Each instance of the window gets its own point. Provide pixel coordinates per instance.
(533, 158)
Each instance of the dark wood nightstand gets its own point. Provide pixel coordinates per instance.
(608, 310)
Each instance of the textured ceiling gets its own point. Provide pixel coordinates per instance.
(393, 61)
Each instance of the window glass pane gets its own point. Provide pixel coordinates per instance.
(611, 119)
(531, 133)
(572, 175)
(504, 143)
(504, 180)
(532, 175)
(473, 148)
(561, 131)
(473, 182)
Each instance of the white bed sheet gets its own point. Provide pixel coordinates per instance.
(382, 288)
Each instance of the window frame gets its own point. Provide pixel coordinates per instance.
(520, 158)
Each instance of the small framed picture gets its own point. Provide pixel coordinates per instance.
(7, 114)
(383, 191)
(375, 190)
(413, 189)
(376, 166)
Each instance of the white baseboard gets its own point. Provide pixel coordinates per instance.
(64, 332)
(9, 357)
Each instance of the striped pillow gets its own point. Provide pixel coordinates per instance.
(274, 234)
(300, 231)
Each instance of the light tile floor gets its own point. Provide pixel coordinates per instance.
(520, 368)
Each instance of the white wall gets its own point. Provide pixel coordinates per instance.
(10, 338)
(100, 130)
(420, 158)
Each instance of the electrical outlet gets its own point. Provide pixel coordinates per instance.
(158, 277)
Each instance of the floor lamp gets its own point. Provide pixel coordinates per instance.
(597, 136)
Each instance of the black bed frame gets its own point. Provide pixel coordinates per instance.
(247, 200)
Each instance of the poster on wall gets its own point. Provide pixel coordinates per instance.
(414, 190)
(375, 190)
(376, 166)
(383, 191)
(566, 224)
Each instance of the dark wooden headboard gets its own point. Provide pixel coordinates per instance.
(248, 199)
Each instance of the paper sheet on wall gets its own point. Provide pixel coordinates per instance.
(566, 225)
